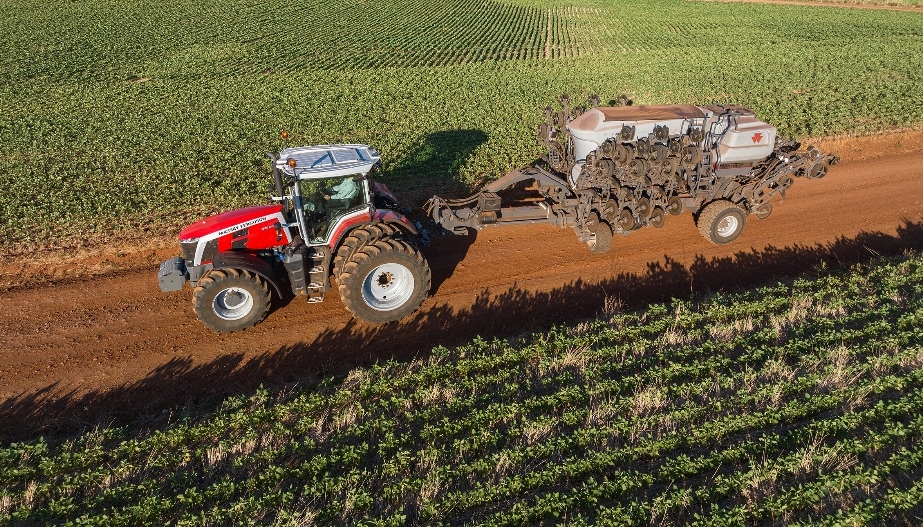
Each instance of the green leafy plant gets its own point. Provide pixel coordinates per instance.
(797, 402)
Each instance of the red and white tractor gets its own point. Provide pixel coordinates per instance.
(330, 218)
(608, 171)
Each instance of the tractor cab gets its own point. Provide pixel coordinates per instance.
(331, 185)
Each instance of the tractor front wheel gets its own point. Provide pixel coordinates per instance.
(229, 300)
(384, 281)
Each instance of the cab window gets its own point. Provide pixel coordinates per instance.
(325, 201)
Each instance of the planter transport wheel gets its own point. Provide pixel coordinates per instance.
(721, 222)
(230, 299)
(601, 240)
(384, 281)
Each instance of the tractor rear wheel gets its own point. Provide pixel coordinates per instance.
(359, 238)
(384, 281)
(601, 239)
(721, 222)
(227, 300)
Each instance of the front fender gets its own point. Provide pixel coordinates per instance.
(250, 262)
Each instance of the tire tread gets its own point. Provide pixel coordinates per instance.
(201, 299)
(359, 238)
(351, 277)
(712, 212)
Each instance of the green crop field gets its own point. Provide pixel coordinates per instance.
(135, 116)
(888, 3)
(795, 403)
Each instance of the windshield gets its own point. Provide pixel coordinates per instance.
(325, 201)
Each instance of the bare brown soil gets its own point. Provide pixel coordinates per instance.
(100, 341)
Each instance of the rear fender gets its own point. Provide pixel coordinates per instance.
(398, 219)
(250, 262)
(380, 215)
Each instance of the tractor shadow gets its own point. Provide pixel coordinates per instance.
(444, 254)
(434, 168)
(504, 313)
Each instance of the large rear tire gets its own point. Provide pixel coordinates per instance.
(227, 300)
(721, 222)
(359, 238)
(384, 281)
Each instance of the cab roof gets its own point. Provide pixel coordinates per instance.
(326, 161)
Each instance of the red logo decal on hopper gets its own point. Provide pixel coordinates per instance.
(757, 137)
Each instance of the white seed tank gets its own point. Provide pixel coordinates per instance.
(734, 134)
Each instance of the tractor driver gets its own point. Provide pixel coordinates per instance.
(326, 204)
(340, 196)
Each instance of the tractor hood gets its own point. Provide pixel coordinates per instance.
(229, 221)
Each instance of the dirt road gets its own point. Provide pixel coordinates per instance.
(113, 346)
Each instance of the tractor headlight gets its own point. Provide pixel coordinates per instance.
(188, 247)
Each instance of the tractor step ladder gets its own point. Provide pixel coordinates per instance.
(317, 276)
